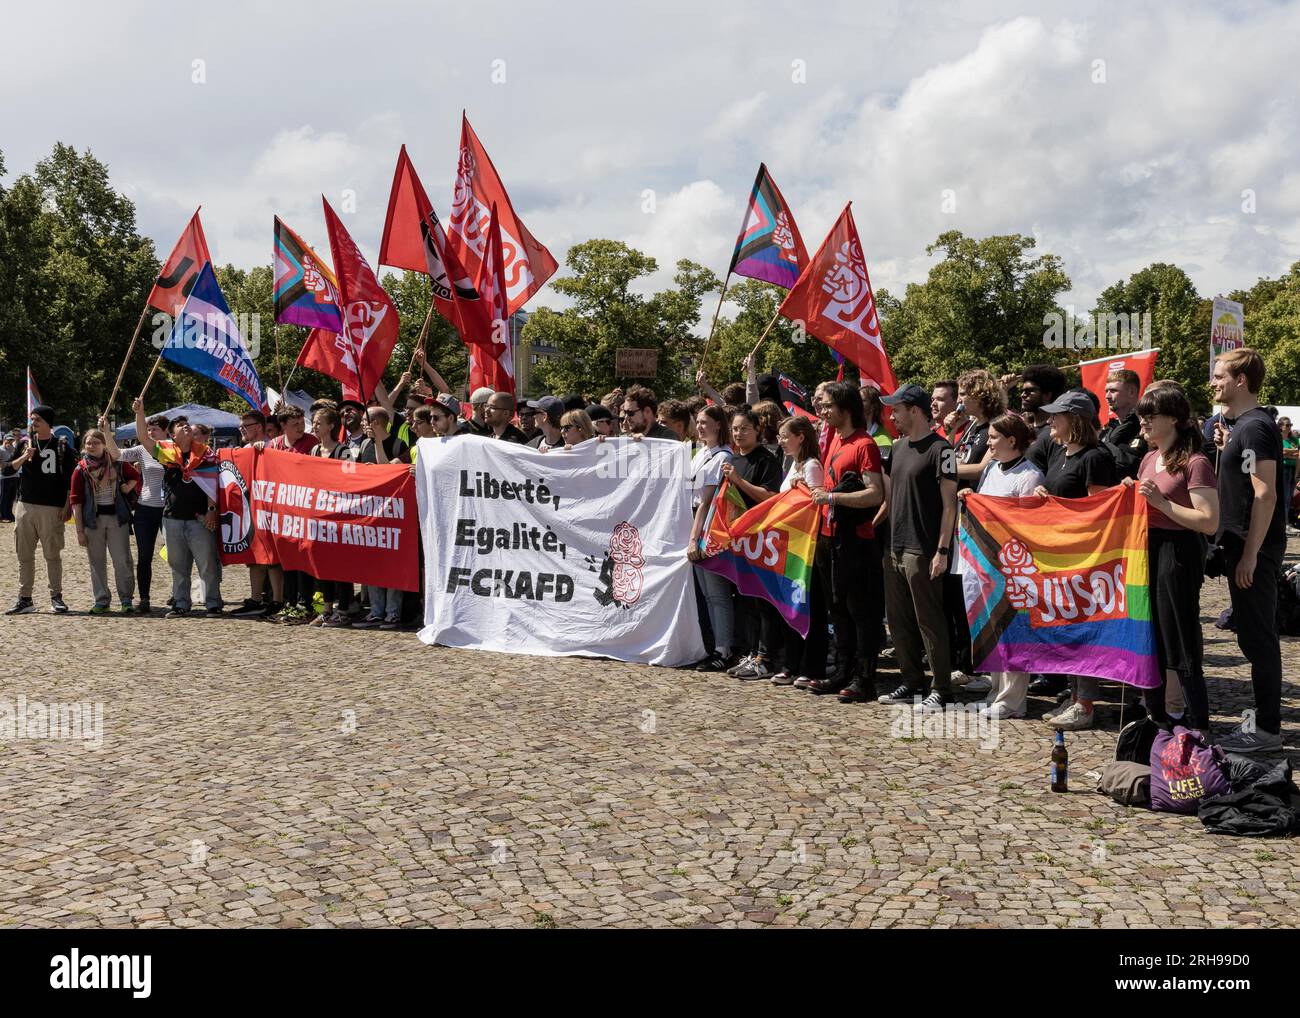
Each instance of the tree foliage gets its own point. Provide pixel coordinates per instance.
(607, 313)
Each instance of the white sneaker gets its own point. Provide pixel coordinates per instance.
(1073, 719)
(741, 665)
(999, 712)
(978, 684)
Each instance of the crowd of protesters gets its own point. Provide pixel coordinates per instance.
(890, 473)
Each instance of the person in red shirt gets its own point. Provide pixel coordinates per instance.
(848, 558)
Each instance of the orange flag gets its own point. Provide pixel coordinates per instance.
(181, 269)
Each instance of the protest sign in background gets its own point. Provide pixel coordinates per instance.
(1059, 585)
(334, 519)
(572, 552)
(1227, 328)
(1094, 373)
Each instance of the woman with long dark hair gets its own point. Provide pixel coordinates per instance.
(1178, 482)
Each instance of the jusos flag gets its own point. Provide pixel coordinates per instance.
(334, 519)
(205, 339)
(833, 299)
(181, 268)
(528, 265)
(769, 246)
(1093, 374)
(766, 551)
(1060, 585)
(369, 317)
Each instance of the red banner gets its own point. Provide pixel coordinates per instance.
(1095, 372)
(334, 519)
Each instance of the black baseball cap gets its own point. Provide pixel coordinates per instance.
(909, 395)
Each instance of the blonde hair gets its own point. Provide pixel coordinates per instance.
(580, 420)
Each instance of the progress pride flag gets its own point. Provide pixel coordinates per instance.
(334, 519)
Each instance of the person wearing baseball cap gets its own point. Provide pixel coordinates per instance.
(923, 519)
(476, 423)
(44, 470)
(549, 410)
(602, 421)
(1078, 467)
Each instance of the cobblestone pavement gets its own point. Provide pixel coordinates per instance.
(484, 789)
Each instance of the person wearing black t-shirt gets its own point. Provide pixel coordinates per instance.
(923, 519)
(756, 473)
(1079, 468)
(44, 465)
(1252, 534)
(189, 510)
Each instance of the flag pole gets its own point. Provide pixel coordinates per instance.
(713, 328)
(152, 372)
(766, 331)
(279, 371)
(125, 360)
(424, 332)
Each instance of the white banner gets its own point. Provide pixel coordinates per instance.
(572, 552)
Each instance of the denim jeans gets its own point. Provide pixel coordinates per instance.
(385, 603)
(717, 599)
(191, 544)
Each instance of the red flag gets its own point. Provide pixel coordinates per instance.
(327, 352)
(181, 268)
(833, 299)
(415, 240)
(528, 265)
(490, 360)
(369, 318)
(1093, 374)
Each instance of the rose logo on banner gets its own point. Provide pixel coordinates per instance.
(237, 513)
(621, 571)
(1017, 565)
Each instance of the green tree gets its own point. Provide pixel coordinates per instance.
(785, 349)
(607, 314)
(985, 305)
(74, 273)
(1273, 328)
(1180, 324)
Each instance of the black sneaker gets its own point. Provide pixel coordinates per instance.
(903, 694)
(178, 613)
(715, 662)
(1048, 685)
(214, 613)
(250, 610)
(933, 704)
(23, 606)
(56, 602)
(142, 607)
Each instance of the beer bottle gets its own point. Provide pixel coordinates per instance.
(1060, 764)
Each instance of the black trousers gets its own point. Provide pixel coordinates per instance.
(954, 607)
(806, 657)
(1177, 563)
(147, 524)
(298, 588)
(1254, 611)
(853, 584)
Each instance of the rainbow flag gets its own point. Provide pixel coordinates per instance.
(306, 292)
(769, 246)
(1060, 585)
(200, 466)
(766, 551)
(33, 395)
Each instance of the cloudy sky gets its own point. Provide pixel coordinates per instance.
(1116, 134)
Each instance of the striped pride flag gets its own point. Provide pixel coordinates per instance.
(766, 551)
(1060, 586)
(33, 395)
